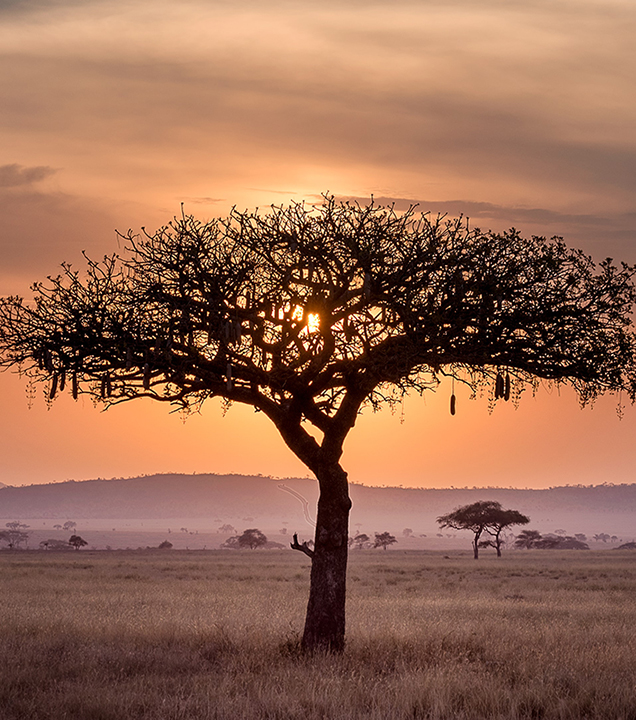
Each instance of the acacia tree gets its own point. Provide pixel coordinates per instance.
(310, 314)
(15, 535)
(500, 520)
(527, 539)
(252, 538)
(383, 540)
(483, 516)
(77, 542)
(474, 517)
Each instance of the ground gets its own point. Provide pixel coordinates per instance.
(201, 635)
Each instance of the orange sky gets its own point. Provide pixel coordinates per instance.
(114, 112)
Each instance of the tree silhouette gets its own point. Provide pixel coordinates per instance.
(383, 540)
(311, 314)
(77, 542)
(361, 540)
(527, 539)
(252, 538)
(484, 515)
(15, 535)
(500, 520)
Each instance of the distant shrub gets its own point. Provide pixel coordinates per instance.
(627, 546)
(55, 545)
(165, 545)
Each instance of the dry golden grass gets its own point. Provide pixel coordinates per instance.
(201, 635)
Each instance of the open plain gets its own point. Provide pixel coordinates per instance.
(178, 635)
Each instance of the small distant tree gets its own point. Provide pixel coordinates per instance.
(383, 540)
(361, 540)
(57, 527)
(501, 520)
(15, 535)
(252, 539)
(227, 528)
(581, 537)
(55, 544)
(407, 532)
(69, 525)
(484, 515)
(77, 542)
(165, 545)
(559, 542)
(527, 539)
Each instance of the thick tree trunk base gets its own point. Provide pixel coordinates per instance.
(325, 620)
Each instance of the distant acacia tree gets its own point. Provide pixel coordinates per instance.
(309, 315)
(601, 537)
(77, 542)
(252, 539)
(501, 520)
(69, 525)
(484, 515)
(15, 535)
(55, 544)
(527, 539)
(383, 540)
(361, 540)
(559, 542)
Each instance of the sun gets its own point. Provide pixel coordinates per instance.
(313, 322)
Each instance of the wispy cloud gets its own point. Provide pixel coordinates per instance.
(15, 175)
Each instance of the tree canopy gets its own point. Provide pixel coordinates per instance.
(309, 314)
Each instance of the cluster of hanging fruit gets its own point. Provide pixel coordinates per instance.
(502, 390)
(502, 387)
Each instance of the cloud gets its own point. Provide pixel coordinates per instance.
(15, 175)
(527, 111)
(40, 230)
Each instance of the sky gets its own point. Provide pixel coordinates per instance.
(113, 113)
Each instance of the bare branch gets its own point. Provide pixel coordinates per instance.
(302, 547)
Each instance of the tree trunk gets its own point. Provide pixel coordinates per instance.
(476, 547)
(325, 620)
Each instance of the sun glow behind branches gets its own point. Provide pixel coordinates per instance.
(313, 322)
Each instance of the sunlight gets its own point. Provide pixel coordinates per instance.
(313, 322)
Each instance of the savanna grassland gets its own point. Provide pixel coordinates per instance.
(193, 635)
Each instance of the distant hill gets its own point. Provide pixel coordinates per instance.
(269, 502)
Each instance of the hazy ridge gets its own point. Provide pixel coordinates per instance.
(241, 499)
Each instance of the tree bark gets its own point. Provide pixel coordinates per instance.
(325, 619)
